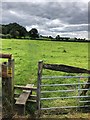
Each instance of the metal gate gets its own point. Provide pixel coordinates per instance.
(63, 93)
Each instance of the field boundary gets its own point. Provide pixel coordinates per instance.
(69, 69)
(9, 97)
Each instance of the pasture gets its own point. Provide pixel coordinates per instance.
(27, 53)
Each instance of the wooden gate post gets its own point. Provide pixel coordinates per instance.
(7, 89)
(40, 66)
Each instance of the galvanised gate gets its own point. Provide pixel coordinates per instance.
(63, 93)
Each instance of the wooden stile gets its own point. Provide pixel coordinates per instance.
(22, 99)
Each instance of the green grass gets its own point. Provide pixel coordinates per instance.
(27, 53)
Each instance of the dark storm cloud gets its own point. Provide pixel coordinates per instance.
(72, 28)
(69, 12)
(49, 16)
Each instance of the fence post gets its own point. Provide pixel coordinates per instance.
(40, 66)
(7, 90)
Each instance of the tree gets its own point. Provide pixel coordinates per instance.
(22, 32)
(4, 29)
(14, 33)
(33, 33)
(14, 29)
(50, 37)
(58, 37)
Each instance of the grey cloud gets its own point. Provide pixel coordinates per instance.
(71, 28)
(68, 12)
(44, 14)
(77, 28)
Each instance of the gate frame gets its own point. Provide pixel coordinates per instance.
(62, 68)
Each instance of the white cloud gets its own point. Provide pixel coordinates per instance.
(54, 23)
(32, 26)
(12, 12)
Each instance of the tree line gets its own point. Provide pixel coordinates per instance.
(14, 30)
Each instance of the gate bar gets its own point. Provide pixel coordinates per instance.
(58, 91)
(66, 107)
(53, 77)
(63, 90)
(84, 101)
(53, 98)
(46, 85)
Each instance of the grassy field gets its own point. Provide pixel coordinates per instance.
(27, 53)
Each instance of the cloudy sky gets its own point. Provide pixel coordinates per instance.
(50, 18)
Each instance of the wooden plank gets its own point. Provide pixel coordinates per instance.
(25, 88)
(33, 97)
(22, 99)
(8, 56)
(65, 68)
(33, 101)
(28, 100)
(24, 96)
